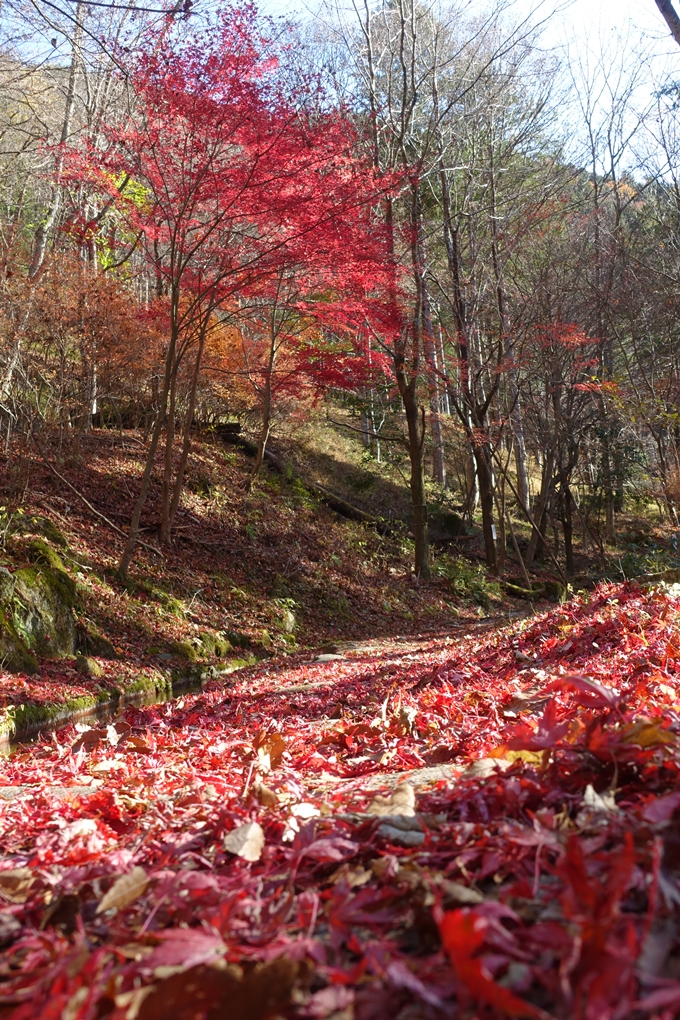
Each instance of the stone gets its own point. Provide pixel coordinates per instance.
(185, 650)
(393, 831)
(88, 666)
(555, 591)
(287, 620)
(237, 640)
(36, 615)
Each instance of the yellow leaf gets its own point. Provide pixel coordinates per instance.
(647, 733)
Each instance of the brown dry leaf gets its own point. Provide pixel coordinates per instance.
(457, 894)
(402, 801)
(90, 739)
(353, 876)
(124, 891)
(15, 885)
(265, 796)
(269, 748)
(483, 768)
(138, 745)
(217, 992)
(245, 841)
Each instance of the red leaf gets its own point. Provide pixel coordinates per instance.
(332, 849)
(463, 933)
(591, 694)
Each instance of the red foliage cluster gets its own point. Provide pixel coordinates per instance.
(226, 855)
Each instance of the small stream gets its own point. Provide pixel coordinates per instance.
(98, 714)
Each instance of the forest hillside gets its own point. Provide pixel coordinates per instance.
(339, 496)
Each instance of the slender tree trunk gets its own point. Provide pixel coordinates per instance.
(671, 18)
(485, 481)
(504, 324)
(415, 421)
(133, 535)
(539, 514)
(568, 529)
(264, 434)
(453, 258)
(186, 440)
(424, 330)
(44, 229)
(168, 460)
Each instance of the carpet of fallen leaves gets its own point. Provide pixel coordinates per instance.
(480, 827)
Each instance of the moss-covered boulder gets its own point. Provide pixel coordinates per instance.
(185, 650)
(555, 591)
(36, 615)
(214, 644)
(88, 666)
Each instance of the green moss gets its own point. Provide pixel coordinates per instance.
(235, 664)
(14, 652)
(88, 666)
(44, 555)
(185, 650)
(27, 718)
(141, 685)
(214, 644)
(42, 610)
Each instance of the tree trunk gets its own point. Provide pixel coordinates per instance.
(264, 432)
(485, 481)
(168, 459)
(170, 370)
(415, 421)
(43, 232)
(423, 325)
(186, 441)
(670, 17)
(506, 339)
(568, 529)
(543, 497)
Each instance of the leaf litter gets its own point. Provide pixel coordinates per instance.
(485, 828)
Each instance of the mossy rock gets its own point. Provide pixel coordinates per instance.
(555, 591)
(88, 666)
(185, 650)
(36, 615)
(43, 555)
(214, 644)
